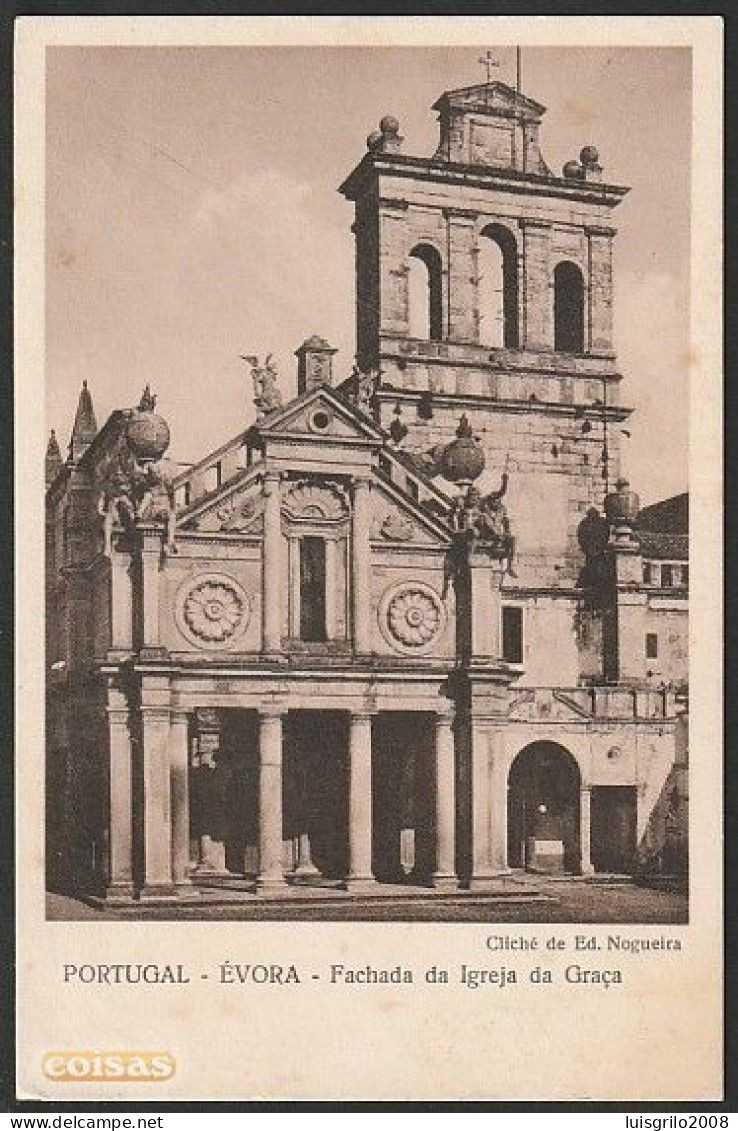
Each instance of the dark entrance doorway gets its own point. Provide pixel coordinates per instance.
(614, 828)
(543, 803)
(315, 788)
(403, 830)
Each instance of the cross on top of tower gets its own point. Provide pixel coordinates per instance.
(489, 60)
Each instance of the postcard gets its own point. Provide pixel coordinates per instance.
(368, 384)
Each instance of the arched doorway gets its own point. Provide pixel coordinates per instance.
(543, 806)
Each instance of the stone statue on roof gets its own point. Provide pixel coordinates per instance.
(267, 395)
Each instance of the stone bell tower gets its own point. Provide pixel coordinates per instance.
(542, 397)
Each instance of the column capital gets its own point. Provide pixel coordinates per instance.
(363, 715)
(272, 477)
(180, 716)
(599, 230)
(361, 481)
(155, 713)
(272, 710)
(118, 716)
(534, 222)
(467, 214)
(444, 718)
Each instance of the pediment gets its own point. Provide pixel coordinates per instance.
(490, 98)
(319, 415)
(235, 510)
(397, 520)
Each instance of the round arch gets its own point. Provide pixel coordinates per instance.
(498, 287)
(543, 795)
(425, 293)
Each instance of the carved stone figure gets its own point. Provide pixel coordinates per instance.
(136, 483)
(483, 519)
(239, 513)
(397, 528)
(267, 395)
(362, 387)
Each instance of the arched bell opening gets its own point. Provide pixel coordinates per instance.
(425, 293)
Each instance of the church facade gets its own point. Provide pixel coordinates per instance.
(409, 625)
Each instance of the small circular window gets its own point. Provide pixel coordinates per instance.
(320, 420)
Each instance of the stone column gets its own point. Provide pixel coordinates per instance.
(444, 875)
(600, 306)
(121, 604)
(537, 286)
(485, 814)
(360, 874)
(361, 567)
(498, 800)
(151, 549)
(120, 876)
(461, 314)
(393, 267)
(331, 588)
(156, 791)
(272, 567)
(179, 757)
(586, 867)
(293, 554)
(271, 871)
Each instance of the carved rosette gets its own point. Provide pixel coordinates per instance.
(212, 611)
(412, 617)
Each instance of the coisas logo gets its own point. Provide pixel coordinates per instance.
(95, 1066)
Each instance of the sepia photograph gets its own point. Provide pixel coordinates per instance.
(367, 440)
(367, 497)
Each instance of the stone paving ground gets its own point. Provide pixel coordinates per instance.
(523, 899)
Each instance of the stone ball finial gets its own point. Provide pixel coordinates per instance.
(373, 139)
(389, 125)
(572, 170)
(462, 461)
(589, 156)
(147, 433)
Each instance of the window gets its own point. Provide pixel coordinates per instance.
(667, 576)
(568, 308)
(685, 576)
(219, 474)
(498, 288)
(412, 489)
(512, 634)
(312, 589)
(385, 467)
(425, 302)
(647, 573)
(652, 646)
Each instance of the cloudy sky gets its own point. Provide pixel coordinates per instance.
(192, 216)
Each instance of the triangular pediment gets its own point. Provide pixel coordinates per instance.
(235, 509)
(319, 415)
(397, 519)
(489, 98)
